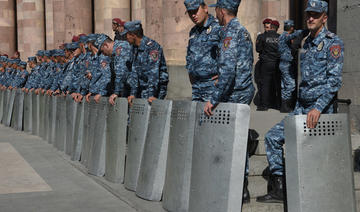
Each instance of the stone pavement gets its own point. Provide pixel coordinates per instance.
(34, 177)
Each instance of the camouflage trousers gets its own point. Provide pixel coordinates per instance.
(288, 83)
(275, 139)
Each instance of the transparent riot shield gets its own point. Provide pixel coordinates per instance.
(35, 114)
(319, 171)
(5, 101)
(153, 164)
(116, 127)
(15, 111)
(139, 118)
(60, 133)
(28, 112)
(70, 123)
(178, 167)
(219, 155)
(97, 149)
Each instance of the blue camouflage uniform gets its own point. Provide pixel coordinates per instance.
(201, 58)
(287, 74)
(235, 64)
(201, 62)
(101, 77)
(321, 69)
(149, 76)
(120, 65)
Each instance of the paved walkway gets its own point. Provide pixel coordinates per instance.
(34, 177)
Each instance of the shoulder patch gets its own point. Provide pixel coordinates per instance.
(103, 63)
(154, 54)
(227, 42)
(118, 51)
(335, 51)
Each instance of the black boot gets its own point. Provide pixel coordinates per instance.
(246, 193)
(286, 106)
(276, 195)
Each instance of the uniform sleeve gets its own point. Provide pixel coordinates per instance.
(121, 60)
(333, 72)
(164, 77)
(226, 67)
(154, 71)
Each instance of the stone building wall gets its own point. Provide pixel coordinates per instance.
(53, 22)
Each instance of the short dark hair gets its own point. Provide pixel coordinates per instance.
(287, 27)
(139, 33)
(232, 12)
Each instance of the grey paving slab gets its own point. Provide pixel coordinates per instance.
(71, 191)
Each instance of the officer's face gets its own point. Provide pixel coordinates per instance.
(114, 26)
(130, 38)
(106, 49)
(315, 21)
(267, 27)
(199, 16)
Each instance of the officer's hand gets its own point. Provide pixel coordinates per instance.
(79, 98)
(130, 100)
(208, 109)
(97, 98)
(22, 89)
(88, 75)
(312, 118)
(216, 78)
(87, 97)
(151, 99)
(56, 92)
(112, 99)
(31, 90)
(42, 91)
(73, 95)
(37, 91)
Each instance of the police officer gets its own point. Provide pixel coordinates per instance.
(149, 77)
(118, 28)
(201, 51)
(321, 68)
(235, 63)
(289, 43)
(121, 53)
(269, 85)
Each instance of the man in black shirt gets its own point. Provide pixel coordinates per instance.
(269, 86)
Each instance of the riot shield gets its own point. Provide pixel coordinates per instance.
(15, 110)
(52, 120)
(41, 115)
(35, 114)
(116, 140)
(319, 171)
(219, 155)
(153, 164)
(178, 167)
(78, 131)
(5, 101)
(10, 107)
(60, 133)
(85, 144)
(139, 118)
(19, 101)
(70, 123)
(97, 149)
(28, 112)
(1, 104)
(46, 117)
